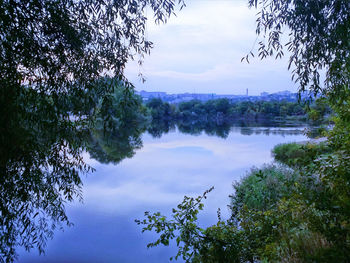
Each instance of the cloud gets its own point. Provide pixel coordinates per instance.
(223, 71)
(201, 49)
(219, 71)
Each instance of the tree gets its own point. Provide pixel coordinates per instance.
(222, 105)
(318, 41)
(160, 110)
(53, 55)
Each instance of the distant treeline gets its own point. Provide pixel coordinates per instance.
(223, 110)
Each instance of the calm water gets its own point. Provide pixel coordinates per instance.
(155, 179)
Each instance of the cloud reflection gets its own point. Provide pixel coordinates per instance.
(177, 164)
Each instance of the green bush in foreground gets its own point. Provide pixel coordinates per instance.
(267, 224)
(219, 243)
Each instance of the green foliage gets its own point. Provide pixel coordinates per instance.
(160, 110)
(318, 40)
(325, 169)
(266, 225)
(261, 206)
(218, 243)
(262, 188)
(333, 171)
(184, 220)
(118, 109)
(222, 110)
(228, 109)
(318, 111)
(333, 220)
(299, 154)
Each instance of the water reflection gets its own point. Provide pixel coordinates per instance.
(115, 145)
(22, 227)
(32, 207)
(157, 127)
(223, 128)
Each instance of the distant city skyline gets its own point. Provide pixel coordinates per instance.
(200, 51)
(181, 97)
(262, 93)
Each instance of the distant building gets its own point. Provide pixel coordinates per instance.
(153, 94)
(177, 98)
(283, 93)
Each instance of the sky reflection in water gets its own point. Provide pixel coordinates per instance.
(156, 179)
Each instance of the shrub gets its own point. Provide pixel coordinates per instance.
(298, 155)
(262, 188)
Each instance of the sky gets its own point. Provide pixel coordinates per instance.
(200, 51)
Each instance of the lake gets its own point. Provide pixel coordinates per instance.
(156, 178)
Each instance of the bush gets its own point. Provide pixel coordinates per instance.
(298, 155)
(273, 219)
(262, 188)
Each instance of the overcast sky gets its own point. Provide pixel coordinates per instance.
(200, 51)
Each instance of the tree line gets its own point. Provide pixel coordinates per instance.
(224, 109)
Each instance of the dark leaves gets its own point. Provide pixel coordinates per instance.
(318, 39)
(53, 57)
